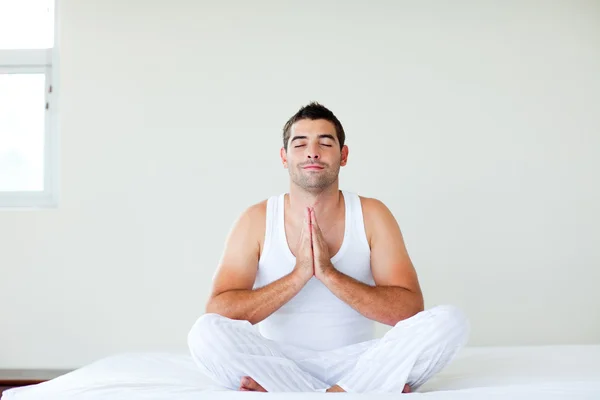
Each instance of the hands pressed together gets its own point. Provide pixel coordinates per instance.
(312, 257)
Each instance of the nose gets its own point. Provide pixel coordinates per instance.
(313, 152)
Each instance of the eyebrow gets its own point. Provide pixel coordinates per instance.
(322, 136)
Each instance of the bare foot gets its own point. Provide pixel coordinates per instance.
(406, 389)
(250, 385)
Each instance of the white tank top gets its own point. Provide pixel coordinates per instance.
(315, 318)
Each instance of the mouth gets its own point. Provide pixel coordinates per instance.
(313, 168)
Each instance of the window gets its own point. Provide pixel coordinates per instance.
(28, 134)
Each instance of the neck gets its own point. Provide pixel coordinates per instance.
(322, 201)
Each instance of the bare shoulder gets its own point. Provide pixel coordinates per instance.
(373, 206)
(251, 222)
(377, 217)
(256, 212)
(258, 215)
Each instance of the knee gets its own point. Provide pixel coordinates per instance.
(448, 321)
(207, 332)
(452, 321)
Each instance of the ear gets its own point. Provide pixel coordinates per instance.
(344, 159)
(283, 155)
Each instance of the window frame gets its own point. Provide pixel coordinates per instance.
(28, 61)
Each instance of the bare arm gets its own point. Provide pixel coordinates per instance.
(256, 305)
(397, 294)
(232, 294)
(385, 304)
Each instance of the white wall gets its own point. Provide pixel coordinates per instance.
(478, 125)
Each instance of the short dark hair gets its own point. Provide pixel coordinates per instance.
(314, 111)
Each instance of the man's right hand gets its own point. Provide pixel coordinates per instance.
(305, 266)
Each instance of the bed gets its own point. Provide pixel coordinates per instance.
(542, 372)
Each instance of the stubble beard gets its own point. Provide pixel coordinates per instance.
(314, 182)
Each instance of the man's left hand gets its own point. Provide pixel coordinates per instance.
(322, 260)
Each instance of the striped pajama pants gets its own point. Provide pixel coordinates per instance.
(410, 353)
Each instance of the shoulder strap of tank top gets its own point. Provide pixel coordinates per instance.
(270, 225)
(357, 219)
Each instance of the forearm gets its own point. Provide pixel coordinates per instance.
(385, 304)
(255, 305)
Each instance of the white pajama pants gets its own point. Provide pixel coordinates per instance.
(410, 353)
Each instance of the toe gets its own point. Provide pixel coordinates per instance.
(253, 385)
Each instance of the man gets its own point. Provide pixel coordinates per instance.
(303, 277)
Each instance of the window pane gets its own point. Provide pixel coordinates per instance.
(22, 126)
(26, 24)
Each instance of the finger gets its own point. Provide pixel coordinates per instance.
(313, 227)
(315, 224)
(305, 230)
(310, 225)
(319, 241)
(313, 218)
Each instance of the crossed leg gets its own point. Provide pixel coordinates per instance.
(250, 385)
(234, 354)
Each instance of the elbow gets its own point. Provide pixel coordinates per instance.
(417, 303)
(214, 306)
(224, 309)
(411, 309)
(210, 307)
(420, 303)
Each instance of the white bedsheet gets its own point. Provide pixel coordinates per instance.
(548, 372)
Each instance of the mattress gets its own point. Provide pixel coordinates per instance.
(544, 372)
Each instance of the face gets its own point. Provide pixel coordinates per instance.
(313, 155)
